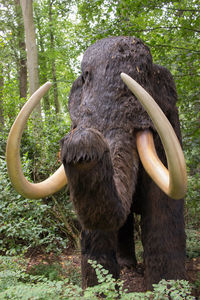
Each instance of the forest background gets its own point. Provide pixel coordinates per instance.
(63, 30)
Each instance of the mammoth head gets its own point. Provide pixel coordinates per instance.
(100, 100)
(99, 87)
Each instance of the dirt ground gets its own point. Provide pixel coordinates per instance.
(133, 279)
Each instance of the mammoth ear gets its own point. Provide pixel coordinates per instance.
(174, 180)
(27, 189)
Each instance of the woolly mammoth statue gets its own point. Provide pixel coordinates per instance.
(121, 156)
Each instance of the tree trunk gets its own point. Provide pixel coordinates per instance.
(22, 71)
(32, 54)
(42, 61)
(22, 66)
(53, 66)
(55, 87)
(1, 98)
(32, 64)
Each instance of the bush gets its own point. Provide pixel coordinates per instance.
(47, 224)
(57, 272)
(193, 243)
(26, 223)
(197, 283)
(192, 211)
(17, 284)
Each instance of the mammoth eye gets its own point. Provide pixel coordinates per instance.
(86, 76)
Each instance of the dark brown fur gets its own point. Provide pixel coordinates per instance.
(106, 179)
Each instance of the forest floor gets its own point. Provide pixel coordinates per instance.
(133, 279)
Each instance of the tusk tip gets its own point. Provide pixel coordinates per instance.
(48, 83)
(123, 75)
(128, 80)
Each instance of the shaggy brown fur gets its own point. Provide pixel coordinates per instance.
(106, 179)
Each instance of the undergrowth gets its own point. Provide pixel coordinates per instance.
(29, 224)
(17, 284)
(193, 243)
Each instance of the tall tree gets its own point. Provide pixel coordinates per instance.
(22, 66)
(53, 62)
(30, 38)
(32, 64)
(1, 98)
(42, 56)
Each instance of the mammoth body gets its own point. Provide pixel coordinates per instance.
(106, 178)
(108, 155)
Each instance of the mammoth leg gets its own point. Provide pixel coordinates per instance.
(163, 236)
(125, 244)
(98, 246)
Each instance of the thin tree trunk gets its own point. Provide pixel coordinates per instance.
(22, 63)
(1, 98)
(42, 62)
(55, 87)
(32, 64)
(22, 71)
(53, 67)
(32, 53)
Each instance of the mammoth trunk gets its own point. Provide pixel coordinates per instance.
(100, 193)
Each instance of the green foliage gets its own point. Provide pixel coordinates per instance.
(72, 273)
(25, 224)
(171, 289)
(197, 283)
(42, 147)
(193, 243)
(43, 290)
(17, 284)
(113, 289)
(56, 272)
(50, 271)
(192, 210)
(42, 282)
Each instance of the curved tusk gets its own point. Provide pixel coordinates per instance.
(154, 167)
(27, 189)
(174, 181)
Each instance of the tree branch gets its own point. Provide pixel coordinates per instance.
(172, 27)
(173, 47)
